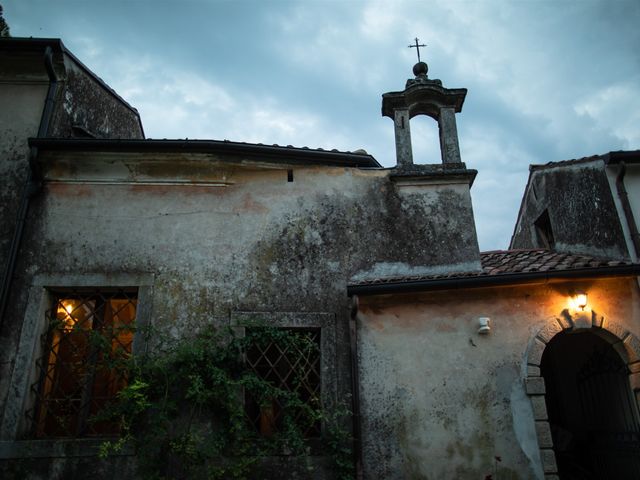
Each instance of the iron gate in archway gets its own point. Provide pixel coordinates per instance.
(611, 416)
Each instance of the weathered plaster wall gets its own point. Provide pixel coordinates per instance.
(441, 401)
(258, 244)
(632, 186)
(23, 89)
(581, 210)
(19, 120)
(80, 101)
(278, 243)
(431, 230)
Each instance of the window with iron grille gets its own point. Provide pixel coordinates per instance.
(292, 365)
(83, 363)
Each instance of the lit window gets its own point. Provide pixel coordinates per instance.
(291, 364)
(83, 364)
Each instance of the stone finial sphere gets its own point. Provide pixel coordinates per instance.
(420, 68)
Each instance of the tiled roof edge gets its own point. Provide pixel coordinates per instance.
(541, 266)
(329, 157)
(485, 280)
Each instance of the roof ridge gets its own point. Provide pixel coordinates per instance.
(571, 161)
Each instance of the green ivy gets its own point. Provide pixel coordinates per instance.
(184, 413)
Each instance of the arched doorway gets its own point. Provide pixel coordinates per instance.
(592, 412)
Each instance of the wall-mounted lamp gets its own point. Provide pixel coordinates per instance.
(484, 325)
(579, 300)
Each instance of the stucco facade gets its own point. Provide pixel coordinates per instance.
(222, 239)
(215, 233)
(440, 400)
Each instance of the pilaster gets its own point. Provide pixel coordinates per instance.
(404, 153)
(449, 147)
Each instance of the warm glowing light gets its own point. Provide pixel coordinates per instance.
(578, 301)
(581, 300)
(64, 313)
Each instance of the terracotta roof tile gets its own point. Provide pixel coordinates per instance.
(503, 262)
(515, 261)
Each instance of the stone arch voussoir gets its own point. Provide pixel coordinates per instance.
(624, 342)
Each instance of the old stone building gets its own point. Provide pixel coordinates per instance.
(453, 369)
(525, 368)
(381, 264)
(586, 205)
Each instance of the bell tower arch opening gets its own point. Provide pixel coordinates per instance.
(592, 412)
(425, 141)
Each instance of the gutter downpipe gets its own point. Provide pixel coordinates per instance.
(32, 187)
(626, 207)
(355, 389)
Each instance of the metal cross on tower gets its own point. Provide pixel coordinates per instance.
(417, 47)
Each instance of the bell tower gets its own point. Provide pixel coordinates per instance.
(437, 194)
(423, 96)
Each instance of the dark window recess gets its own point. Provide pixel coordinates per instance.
(80, 132)
(83, 365)
(290, 366)
(289, 175)
(544, 231)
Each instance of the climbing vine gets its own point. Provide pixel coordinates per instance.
(183, 410)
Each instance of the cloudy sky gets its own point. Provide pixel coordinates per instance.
(547, 80)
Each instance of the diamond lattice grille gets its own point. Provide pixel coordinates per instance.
(293, 367)
(83, 365)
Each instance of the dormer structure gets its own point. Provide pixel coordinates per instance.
(423, 96)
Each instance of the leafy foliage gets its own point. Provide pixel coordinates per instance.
(184, 412)
(4, 27)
